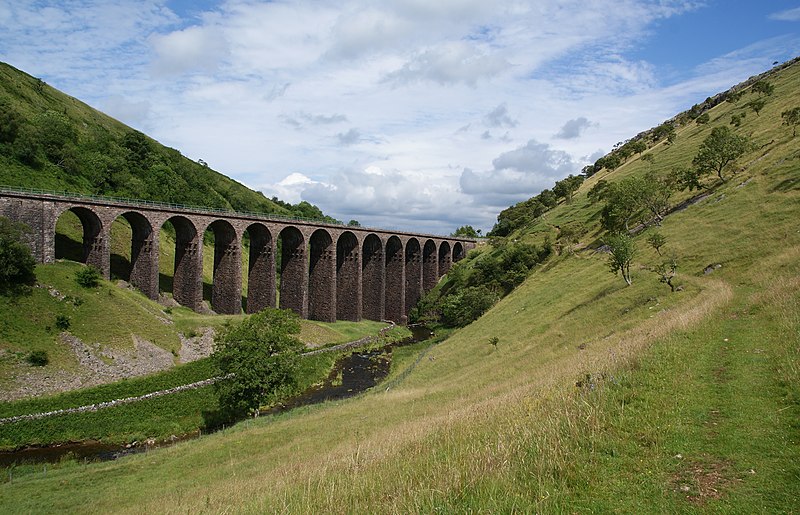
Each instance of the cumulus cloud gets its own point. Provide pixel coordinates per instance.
(350, 137)
(290, 188)
(392, 198)
(518, 174)
(573, 128)
(190, 49)
(450, 63)
(787, 15)
(499, 117)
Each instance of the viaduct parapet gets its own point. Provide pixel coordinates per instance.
(324, 272)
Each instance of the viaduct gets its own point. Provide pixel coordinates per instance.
(327, 272)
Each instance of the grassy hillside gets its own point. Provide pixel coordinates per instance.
(598, 397)
(51, 141)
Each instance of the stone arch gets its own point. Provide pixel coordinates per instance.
(372, 278)
(261, 269)
(445, 258)
(294, 271)
(348, 278)
(142, 270)
(430, 266)
(94, 245)
(322, 277)
(187, 280)
(413, 266)
(226, 289)
(458, 252)
(394, 300)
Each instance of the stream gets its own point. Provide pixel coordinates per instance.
(352, 374)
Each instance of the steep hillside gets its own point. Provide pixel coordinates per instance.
(574, 393)
(51, 141)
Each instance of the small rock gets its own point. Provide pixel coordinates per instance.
(710, 268)
(678, 456)
(751, 471)
(684, 488)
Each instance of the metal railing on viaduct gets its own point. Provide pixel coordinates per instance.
(328, 272)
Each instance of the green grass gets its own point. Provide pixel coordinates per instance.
(592, 392)
(158, 418)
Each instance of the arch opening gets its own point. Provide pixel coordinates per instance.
(413, 269)
(294, 271)
(226, 285)
(430, 266)
(445, 261)
(322, 277)
(458, 252)
(394, 305)
(348, 278)
(260, 269)
(134, 252)
(185, 264)
(79, 236)
(372, 278)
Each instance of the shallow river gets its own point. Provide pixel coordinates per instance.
(359, 371)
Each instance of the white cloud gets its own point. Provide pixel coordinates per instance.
(350, 137)
(518, 174)
(450, 63)
(290, 188)
(573, 128)
(499, 117)
(190, 49)
(787, 15)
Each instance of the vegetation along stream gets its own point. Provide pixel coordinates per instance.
(352, 374)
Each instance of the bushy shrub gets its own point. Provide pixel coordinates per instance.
(88, 277)
(38, 358)
(62, 322)
(16, 263)
(467, 305)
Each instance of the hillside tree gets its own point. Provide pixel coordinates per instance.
(466, 231)
(719, 150)
(791, 118)
(757, 105)
(566, 188)
(763, 88)
(622, 250)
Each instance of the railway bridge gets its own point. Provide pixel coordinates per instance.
(321, 271)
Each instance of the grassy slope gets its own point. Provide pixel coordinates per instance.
(22, 93)
(709, 374)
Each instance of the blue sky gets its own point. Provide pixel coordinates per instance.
(409, 113)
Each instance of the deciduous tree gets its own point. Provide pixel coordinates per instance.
(256, 358)
(466, 231)
(720, 149)
(622, 251)
(791, 118)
